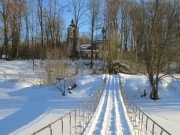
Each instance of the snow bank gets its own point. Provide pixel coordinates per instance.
(26, 106)
(166, 110)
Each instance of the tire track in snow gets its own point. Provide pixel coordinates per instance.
(96, 123)
(118, 124)
(110, 117)
(106, 125)
(126, 130)
(102, 121)
(113, 113)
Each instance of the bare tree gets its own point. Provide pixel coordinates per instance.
(94, 8)
(112, 10)
(125, 26)
(16, 9)
(40, 15)
(26, 19)
(78, 8)
(58, 74)
(33, 19)
(5, 12)
(24, 27)
(156, 26)
(54, 26)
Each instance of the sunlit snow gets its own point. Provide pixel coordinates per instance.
(26, 106)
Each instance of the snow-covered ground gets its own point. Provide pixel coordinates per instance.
(26, 106)
(166, 110)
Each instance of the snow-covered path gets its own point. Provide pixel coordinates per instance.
(110, 117)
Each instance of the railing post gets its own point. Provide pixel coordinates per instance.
(50, 129)
(133, 116)
(139, 120)
(70, 122)
(80, 118)
(136, 117)
(85, 114)
(141, 124)
(146, 125)
(75, 122)
(161, 131)
(88, 117)
(153, 129)
(62, 126)
(83, 117)
(89, 113)
(130, 112)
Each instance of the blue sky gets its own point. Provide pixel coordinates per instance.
(68, 16)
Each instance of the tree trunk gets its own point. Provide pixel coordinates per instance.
(27, 37)
(74, 50)
(1, 51)
(6, 41)
(15, 44)
(40, 15)
(154, 93)
(92, 33)
(154, 89)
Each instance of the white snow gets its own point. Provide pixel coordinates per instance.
(166, 110)
(90, 129)
(110, 117)
(26, 106)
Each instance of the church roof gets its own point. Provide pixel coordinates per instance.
(72, 23)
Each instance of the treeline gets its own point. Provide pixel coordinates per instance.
(144, 28)
(142, 32)
(30, 27)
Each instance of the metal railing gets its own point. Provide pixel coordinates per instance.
(75, 121)
(142, 123)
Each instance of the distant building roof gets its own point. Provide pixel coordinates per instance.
(72, 23)
(87, 50)
(85, 47)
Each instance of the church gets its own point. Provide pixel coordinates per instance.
(75, 50)
(72, 40)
